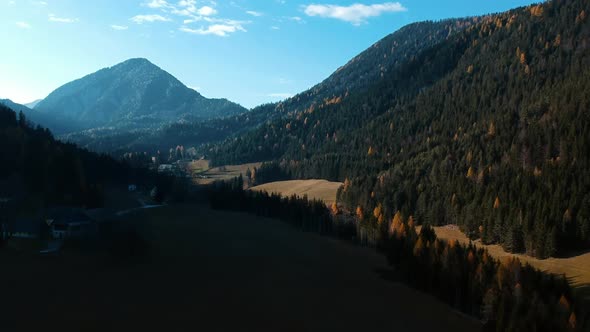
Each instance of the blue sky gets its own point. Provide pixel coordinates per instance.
(250, 52)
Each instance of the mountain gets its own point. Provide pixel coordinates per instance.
(38, 118)
(132, 94)
(32, 104)
(36, 170)
(487, 128)
(15, 106)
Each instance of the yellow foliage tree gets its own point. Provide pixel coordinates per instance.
(564, 303)
(396, 223)
(371, 151)
(537, 11)
(492, 129)
(334, 208)
(378, 210)
(572, 321)
(497, 202)
(346, 184)
(359, 212)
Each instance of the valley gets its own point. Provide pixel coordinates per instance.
(438, 179)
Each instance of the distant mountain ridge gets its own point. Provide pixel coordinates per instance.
(135, 94)
(32, 104)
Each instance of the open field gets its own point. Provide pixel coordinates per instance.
(198, 166)
(317, 189)
(576, 268)
(217, 271)
(209, 175)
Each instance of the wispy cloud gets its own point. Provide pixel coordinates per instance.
(193, 12)
(140, 19)
(23, 25)
(53, 18)
(356, 13)
(221, 30)
(38, 3)
(158, 4)
(119, 27)
(254, 13)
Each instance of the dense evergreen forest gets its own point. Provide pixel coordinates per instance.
(506, 296)
(489, 128)
(33, 165)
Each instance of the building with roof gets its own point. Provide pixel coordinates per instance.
(68, 223)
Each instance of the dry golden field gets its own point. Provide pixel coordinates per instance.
(576, 268)
(314, 189)
(202, 174)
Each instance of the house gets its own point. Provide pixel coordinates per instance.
(66, 223)
(166, 168)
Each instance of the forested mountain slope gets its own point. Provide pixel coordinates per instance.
(488, 128)
(36, 167)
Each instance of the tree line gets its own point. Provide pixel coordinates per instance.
(505, 295)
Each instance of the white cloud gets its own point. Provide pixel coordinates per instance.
(139, 19)
(206, 11)
(254, 13)
(23, 25)
(221, 30)
(356, 13)
(282, 95)
(193, 11)
(274, 27)
(158, 4)
(119, 27)
(53, 18)
(38, 3)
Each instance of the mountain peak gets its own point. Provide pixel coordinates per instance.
(136, 62)
(136, 93)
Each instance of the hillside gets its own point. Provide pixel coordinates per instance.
(135, 93)
(37, 171)
(487, 129)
